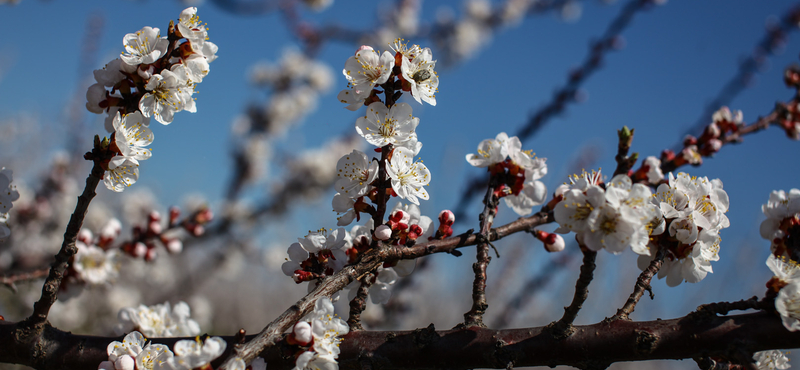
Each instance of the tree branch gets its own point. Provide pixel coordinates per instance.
(68, 249)
(467, 348)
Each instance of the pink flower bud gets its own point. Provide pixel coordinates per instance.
(106, 365)
(174, 213)
(174, 246)
(85, 236)
(552, 241)
(139, 250)
(383, 232)
(447, 217)
(154, 227)
(154, 216)
(150, 255)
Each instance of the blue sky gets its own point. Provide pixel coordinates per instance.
(676, 58)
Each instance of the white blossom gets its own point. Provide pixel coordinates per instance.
(364, 71)
(781, 205)
(788, 305)
(654, 174)
(8, 192)
(191, 27)
(381, 126)
(132, 135)
(490, 151)
(122, 172)
(355, 172)
(423, 80)
(158, 320)
(143, 47)
(771, 360)
(408, 177)
(326, 329)
(94, 265)
(783, 268)
(533, 193)
(167, 93)
(197, 353)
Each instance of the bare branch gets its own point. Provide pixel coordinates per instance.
(68, 249)
(642, 284)
(467, 348)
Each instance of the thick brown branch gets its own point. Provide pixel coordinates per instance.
(370, 261)
(68, 249)
(590, 346)
(642, 284)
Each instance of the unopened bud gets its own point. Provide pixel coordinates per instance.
(204, 216)
(174, 246)
(85, 236)
(150, 255)
(154, 216)
(552, 241)
(154, 227)
(447, 217)
(383, 232)
(302, 333)
(139, 249)
(174, 213)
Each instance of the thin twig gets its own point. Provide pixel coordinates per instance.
(68, 249)
(11, 279)
(642, 284)
(566, 94)
(359, 303)
(776, 35)
(722, 308)
(563, 327)
(474, 317)
(761, 124)
(624, 162)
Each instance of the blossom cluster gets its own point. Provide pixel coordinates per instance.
(725, 123)
(683, 217)
(519, 172)
(386, 125)
(8, 194)
(318, 337)
(96, 262)
(156, 77)
(144, 238)
(771, 360)
(136, 353)
(317, 255)
(783, 217)
(159, 320)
